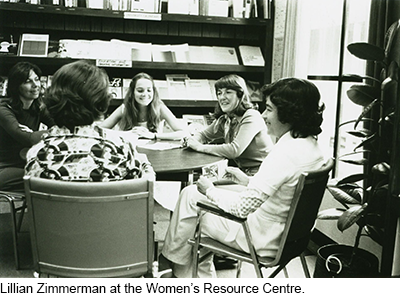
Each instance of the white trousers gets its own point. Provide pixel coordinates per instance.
(182, 228)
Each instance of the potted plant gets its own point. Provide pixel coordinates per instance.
(364, 195)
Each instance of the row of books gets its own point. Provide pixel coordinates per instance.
(179, 53)
(222, 8)
(178, 86)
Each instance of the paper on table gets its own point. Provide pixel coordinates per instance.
(159, 145)
(166, 193)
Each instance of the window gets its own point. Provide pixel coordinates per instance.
(322, 56)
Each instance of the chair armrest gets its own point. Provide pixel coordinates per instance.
(210, 207)
(224, 182)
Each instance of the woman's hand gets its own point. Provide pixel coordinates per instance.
(236, 175)
(193, 143)
(25, 128)
(203, 183)
(143, 132)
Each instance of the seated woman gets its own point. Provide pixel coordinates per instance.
(242, 128)
(293, 115)
(20, 117)
(75, 149)
(142, 112)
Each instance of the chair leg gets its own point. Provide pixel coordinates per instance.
(16, 224)
(285, 272)
(15, 230)
(304, 265)
(239, 269)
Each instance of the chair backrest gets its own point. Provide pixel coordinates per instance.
(303, 211)
(98, 229)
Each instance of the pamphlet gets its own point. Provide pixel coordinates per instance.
(216, 171)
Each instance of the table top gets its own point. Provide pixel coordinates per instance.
(178, 160)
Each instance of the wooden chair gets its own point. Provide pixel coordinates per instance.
(296, 235)
(17, 203)
(98, 229)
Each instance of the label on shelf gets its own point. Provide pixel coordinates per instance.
(142, 16)
(113, 63)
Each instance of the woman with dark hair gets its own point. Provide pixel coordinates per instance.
(293, 115)
(144, 113)
(75, 149)
(21, 114)
(238, 124)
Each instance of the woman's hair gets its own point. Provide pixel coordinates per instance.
(238, 84)
(18, 75)
(298, 103)
(78, 94)
(130, 118)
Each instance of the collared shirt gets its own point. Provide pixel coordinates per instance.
(89, 153)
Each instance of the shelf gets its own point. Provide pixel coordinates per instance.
(104, 13)
(177, 103)
(58, 62)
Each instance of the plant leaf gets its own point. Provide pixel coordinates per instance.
(361, 133)
(366, 110)
(352, 178)
(362, 94)
(366, 51)
(367, 141)
(374, 233)
(342, 196)
(381, 168)
(358, 162)
(350, 216)
(351, 77)
(330, 214)
(355, 120)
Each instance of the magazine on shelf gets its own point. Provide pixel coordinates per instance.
(198, 89)
(115, 88)
(177, 86)
(34, 45)
(251, 55)
(162, 88)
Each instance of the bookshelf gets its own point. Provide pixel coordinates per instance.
(161, 28)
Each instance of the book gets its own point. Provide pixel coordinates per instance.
(251, 55)
(161, 53)
(3, 85)
(43, 83)
(121, 49)
(144, 5)
(237, 8)
(225, 55)
(194, 7)
(125, 86)
(218, 8)
(34, 45)
(162, 88)
(215, 171)
(180, 53)
(195, 54)
(95, 4)
(176, 86)
(115, 88)
(198, 89)
(141, 51)
(179, 6)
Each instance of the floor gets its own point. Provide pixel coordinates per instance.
(7, 266)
